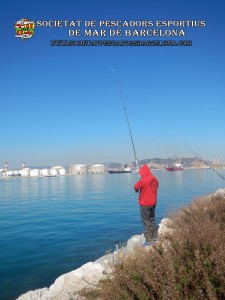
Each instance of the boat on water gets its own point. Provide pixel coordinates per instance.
(175, 167)
(120, 171)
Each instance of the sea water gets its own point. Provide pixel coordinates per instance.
(51, 226)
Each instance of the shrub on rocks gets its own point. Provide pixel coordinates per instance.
(190, 266)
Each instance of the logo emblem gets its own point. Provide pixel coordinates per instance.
(24, 29)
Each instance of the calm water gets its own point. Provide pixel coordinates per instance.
(50, 226)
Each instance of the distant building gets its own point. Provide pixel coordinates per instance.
(97, 169)
(58, 170)
(62, 172)
(78, 169)
(28, 172)
(24, 172)
(44, 172)
(34, 173)
(54, 172)
(2, 172)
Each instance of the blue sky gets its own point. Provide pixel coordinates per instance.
(61, 105)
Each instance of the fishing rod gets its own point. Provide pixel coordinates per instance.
(206, 162)
(124, 107)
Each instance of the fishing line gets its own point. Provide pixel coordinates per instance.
(124, 107)
(206, 162)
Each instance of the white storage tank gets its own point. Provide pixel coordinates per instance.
(54, 172)
(44, 172)
(25, 172)
(2, 172)
(59, 169)
(16, 172)
(9, 173)
(35, 173)
(62, 171)
(97, 169)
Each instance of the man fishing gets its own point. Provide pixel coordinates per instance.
(148, 186)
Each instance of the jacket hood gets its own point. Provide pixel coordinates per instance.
(144, 171)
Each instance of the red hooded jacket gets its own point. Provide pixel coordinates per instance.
(148, 186)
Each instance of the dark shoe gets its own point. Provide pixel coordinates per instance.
(155, 238)
(148, 244)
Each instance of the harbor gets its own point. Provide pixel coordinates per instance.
(169, 164)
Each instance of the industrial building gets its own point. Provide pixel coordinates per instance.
(24, 172)
(28, 172)
(79, 169)
(97, 169)
(34, 173)
(75, 169)
(59, 170)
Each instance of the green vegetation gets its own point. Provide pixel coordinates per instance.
(188, 264)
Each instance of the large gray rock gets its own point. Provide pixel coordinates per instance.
(164, 228)
(107, 261)
(66, 286)
(219, 193)
(35, 295)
